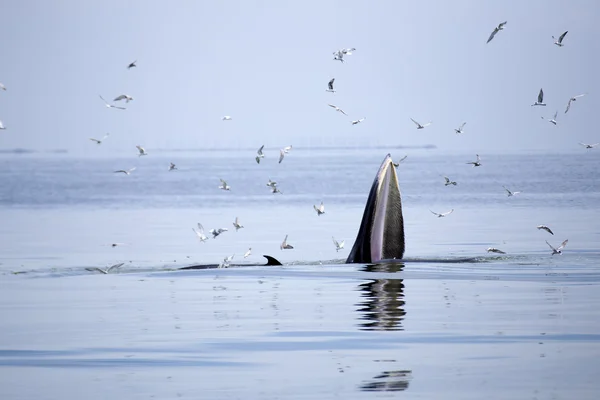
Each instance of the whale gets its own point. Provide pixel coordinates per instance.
(270, 261)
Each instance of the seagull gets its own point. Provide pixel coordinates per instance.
(217, 232)
(224, 185)
(320, 210)
(110, 105)
(449, 182)
(399, 161)
(553, 120)
(281, 155)
(125, 97)
(338, 245)
(544, 227)
(476, 163)
(200, 233)
(589, 146)
(442, 214)
(559, 249)
(105, 271)
(509, 193)
(494, 250)
(2, 127)
(172, 167)
(271, 183)
(226, 261)
(287, 149)
(141, 150)
(285, 244)
(100, 141)
(339, 54)
(574, 98)
(226, 118)
(126, 172)
(132, 65)
(560, 39)
(330, 86)
(460, 128)
(540, 99)
(358, 121)
(246, 254)
(2, 86)
(419, 126)
(496, 30)
(337, 108)
(275, 189)
(236, 224)
(259, 154)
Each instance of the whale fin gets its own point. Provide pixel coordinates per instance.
(271, 260)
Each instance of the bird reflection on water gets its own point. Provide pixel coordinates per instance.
(383, 305)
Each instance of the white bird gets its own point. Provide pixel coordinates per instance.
(337, 109)
(540, 99)
(260, 154)
(200, 233)
(545, 228)
(496, 30)
(495, 250)
(132, 65)
(399, 161)
(2, 127)
(476, 163)
(236, 224)
(141, 150)
(460, 128)
(105, 271)
(271, 183)
(330, 86)
(358, 121)
(449, 182)
(574, 98)
(320, 210)
(589, 146)
(99, 141)
(338, 245)
(287, 149)
(275, 189)
(125, 97)
(281, 155)
(246, 254)
(419, 126)
(553, 120)
(126, 171)
(226, 118)
(2, 86)
(223, 185)
(442, 214)
(339, 54)
(217, 232)
(559, 249)
(111, 105)
(560, 39)
(226, 261)
(172, 167)
(510, 193)
(285, 244)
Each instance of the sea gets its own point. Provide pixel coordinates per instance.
(451, 322)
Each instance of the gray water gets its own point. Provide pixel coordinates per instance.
(522, 325)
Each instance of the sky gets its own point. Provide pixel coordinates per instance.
(267, 64)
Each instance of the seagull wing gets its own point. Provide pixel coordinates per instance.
(561, 37)
(260, 151)
(281, 155)
(434, 213)
(541, 96)
(492, 35)
(95, 140)
(552, 247)
(555, 115)
(331, 105)
(121, 97)
(449, 212)
(416, 123)
(563, 244)
(568, 105)
(447, 179)
(105, 102)
(114, 267)
(330, 84)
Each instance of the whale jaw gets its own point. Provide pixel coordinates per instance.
(381, 232)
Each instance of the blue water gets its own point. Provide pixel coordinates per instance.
(520, 325)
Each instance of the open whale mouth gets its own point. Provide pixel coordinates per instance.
(381, 232)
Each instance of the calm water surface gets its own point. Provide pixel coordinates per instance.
(524, 325)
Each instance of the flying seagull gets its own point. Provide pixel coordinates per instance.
(540, 99)
(281, 155)
(271, 183)
(226, 118)
(337, 109)
(126, 171)
(442, 214)
(2, 87)
(330, 86)
(509, 193)
(339, 54)
(449, 182)
(141, 150)
(99, 141)
(217, 232)
(125, 97)
(358, 121)
(476, 163)
(553, 120)
(496, 30)
(494, 250)
(589, 146)
(236, 224)
(320, 210)
(172, 167)
(105, 271)
(559, 249)
(544, 227)
(224, 185)
(560, 39)
(275, 189)
(246, 254)
(419, 126)
(200, 233)
(285, 244)
(111, 105)
(132, 65)
(287, 149)
(399, 161)
(338, 245)
(574, 98)
(460, 128)
(2, 127)
(226, 261)
(259, 154)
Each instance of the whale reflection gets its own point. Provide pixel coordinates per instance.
(388, 381)
(382, 305)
